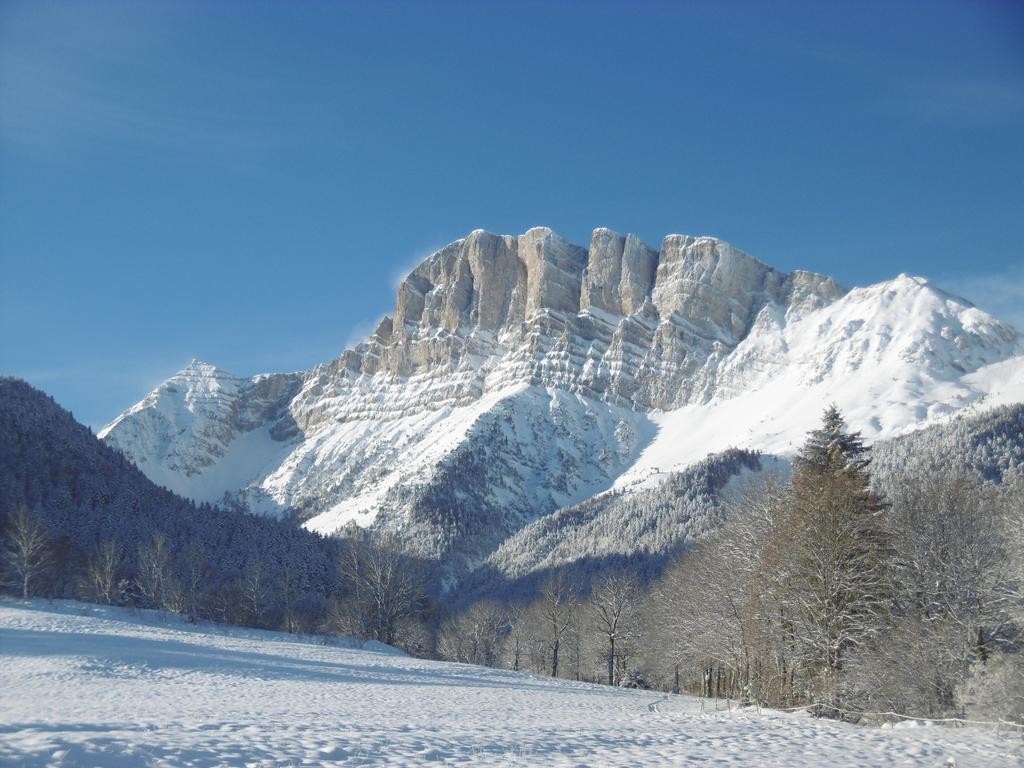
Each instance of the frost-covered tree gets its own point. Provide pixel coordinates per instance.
(830, 438)
(102, 573)
(953, 605)
(384, 589)
(156, 580)
(715, 617)
(476, 635)
(1010, 498)
(797, 578)
(196, 578)
(994, 690)
(556, 612)
(634, 678)
(612, 608)
(518, 635)
(288, 596)
(953, 556)
(26, 550)
(255, 593)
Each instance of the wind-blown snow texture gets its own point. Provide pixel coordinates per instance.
(521, 375)
(91, 686)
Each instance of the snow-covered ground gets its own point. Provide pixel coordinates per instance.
(88, 686)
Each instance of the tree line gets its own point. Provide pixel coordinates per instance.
(380, 591)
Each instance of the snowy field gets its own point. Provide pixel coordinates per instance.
(90, 686)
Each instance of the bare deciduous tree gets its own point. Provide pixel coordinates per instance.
(255, 593)
(714, 616)
(518, 641)
(102, 573)
(385, 590)
(156, 581)
(26, 550)
(197, 574)
(954, 601)
(612, 607)
(557, 610)
(475, 636)
(288, 591)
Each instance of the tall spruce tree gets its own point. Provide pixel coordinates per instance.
(832, 435)
(838, 582)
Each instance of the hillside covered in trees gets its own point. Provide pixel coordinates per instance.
(80, 520)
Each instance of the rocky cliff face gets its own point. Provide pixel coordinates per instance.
(619, 322)
(522, 374)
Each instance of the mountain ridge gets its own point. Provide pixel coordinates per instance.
(523, 374)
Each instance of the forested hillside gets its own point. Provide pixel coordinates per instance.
(637, 531)
(79, 520)
(989, 444)
(88, 497)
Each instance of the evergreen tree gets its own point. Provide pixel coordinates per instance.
(838, 581)
(832, 436)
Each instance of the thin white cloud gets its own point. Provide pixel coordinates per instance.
(1001, 293)
(967, 101)
(69, 81)
(399, 273)
(360, 331)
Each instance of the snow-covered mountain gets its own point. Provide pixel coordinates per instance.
(519, 375)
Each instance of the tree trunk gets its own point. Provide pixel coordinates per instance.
(611, 661)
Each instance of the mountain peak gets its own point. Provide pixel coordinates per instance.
(197, 367)
(914, 287)
(522, 373)
(495, 283)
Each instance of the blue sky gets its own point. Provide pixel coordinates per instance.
(243, 182)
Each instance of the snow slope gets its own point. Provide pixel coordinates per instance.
(206, 434)
(90, 686)
(895, 357)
